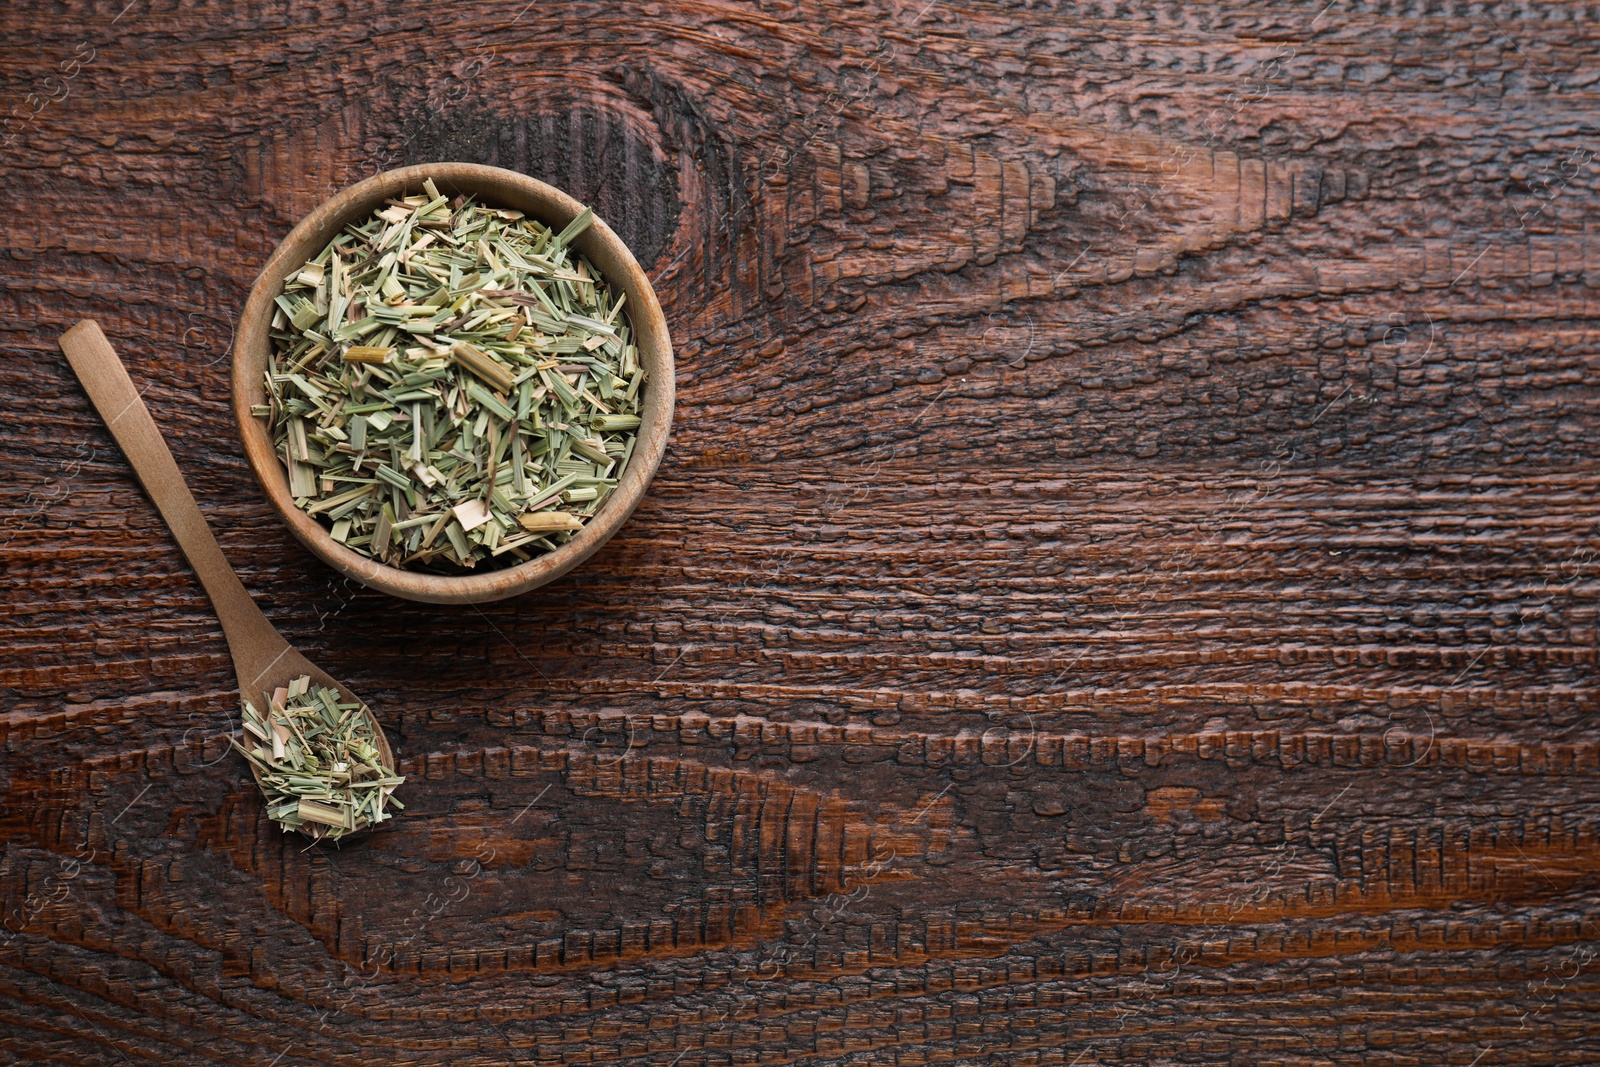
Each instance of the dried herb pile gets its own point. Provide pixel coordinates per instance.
(451, 386)
(318, 761)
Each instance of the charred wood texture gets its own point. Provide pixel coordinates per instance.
(1122, 589)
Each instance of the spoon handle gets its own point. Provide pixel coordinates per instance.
(253, 641)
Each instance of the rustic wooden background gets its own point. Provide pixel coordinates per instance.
(1122, 589)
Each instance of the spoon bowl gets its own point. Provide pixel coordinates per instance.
(288, 666)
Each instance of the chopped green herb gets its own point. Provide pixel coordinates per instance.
(317, 761)
(443, 373)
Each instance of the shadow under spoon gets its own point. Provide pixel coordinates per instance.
(262, 659)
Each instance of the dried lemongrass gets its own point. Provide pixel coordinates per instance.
(318, 761)
(452, 386)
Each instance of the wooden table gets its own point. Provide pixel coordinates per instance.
(1122, 589)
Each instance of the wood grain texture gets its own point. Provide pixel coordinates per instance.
(1122, 589)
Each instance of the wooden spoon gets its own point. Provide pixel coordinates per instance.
(262, 659)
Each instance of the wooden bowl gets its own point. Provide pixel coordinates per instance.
(500, 188)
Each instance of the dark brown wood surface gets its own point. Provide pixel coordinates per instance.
(1122, 589)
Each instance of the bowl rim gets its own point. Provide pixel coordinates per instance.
(505, 188)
